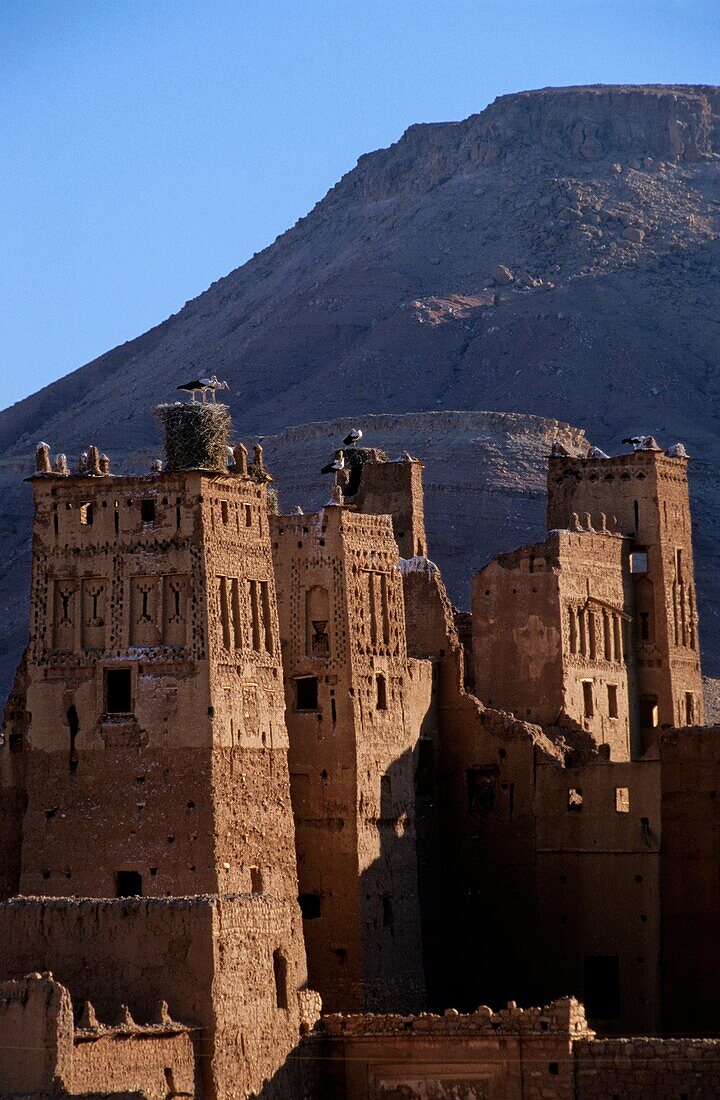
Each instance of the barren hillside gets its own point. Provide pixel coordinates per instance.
(603, 205)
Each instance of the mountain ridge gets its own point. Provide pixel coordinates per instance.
(556, 254)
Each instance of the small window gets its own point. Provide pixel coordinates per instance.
(248, 515)
(380, 692)
(225, 512)
(256, 880)
(147, 511)
(280, 968)
(588, 703)
(602, 986)
(309, 906)
(689, 709)
(612, 700)
(128, 884)
(86, 514)
(639, 561)
(387, 911)
(481, 789)
(118, 690)
(306, 693)
(649, 716)
(644, 626)
(622, 800)
(575, 800)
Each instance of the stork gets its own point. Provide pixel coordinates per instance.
(337, 464)
(204, 385)
(353, 436)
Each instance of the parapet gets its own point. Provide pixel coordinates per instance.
(565, 1016)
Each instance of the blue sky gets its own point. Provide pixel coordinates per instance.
(150, 147)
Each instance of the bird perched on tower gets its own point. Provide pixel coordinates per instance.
(354, 436)
(337, 464)
(204, 385)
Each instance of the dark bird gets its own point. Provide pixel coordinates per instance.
(203, 386)
(337, 464)
(353, 436)
(637, 442)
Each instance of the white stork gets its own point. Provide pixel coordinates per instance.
(204, 385)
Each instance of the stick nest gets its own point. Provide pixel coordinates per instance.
(196, 436)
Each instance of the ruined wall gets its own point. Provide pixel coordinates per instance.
(649, 1069)
(690, 770)
(395, 489)
(212, 960)
(350, 694)
(507, 1055)
(648, 493)
(551, 639)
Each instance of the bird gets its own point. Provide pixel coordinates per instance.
(203, 386)
(353, 436)
(230, 457)
(297, 510)
(637, 442)
(157, 465)
(595, 452)
(559, 450)
(677, 451)
(337, 464)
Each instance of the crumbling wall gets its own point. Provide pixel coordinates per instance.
(36, 1033)
(211, 959)
(647, 1068)
(516, 1054)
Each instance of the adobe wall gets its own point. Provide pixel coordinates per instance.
(507, 1055)
(647, 1069)
(690, 769)
(351, 765)
(549, 619)
(210, 959)
(395, 489)
(598, 874)
(36, 1029)
(43, 1054)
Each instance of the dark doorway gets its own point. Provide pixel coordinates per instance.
(306, 693)
(128, 884)
(602, 986)
(118, 690)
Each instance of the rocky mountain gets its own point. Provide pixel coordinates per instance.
(555, 255)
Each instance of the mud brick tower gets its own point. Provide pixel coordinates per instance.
(355, 703)
(153, 747)
(647, 492)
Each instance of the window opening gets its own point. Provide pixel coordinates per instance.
(118, 690)
(267, 615)
(306, 693)
(74, 725)
(612, 700)
(309, 906)
(387, 911)
(588, 703)
(602, 986)
(636, 510)
(257, 885)
(128, 884)
(575, 800)
(689, 709)
(481, 789)
(224, 512)
(147, 511)
(622, 800)
(649, 717)
(56, 524)
(380, 692)
(255, 616)
(386, 798)
(572, 623)
(280, 967)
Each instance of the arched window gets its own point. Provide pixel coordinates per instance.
(317, 616)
